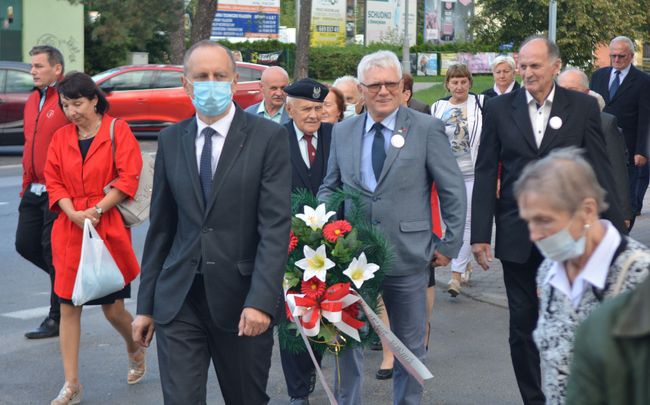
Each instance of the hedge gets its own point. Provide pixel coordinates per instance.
(330, 62)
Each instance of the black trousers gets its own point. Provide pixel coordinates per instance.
(523, 304)
(188, 343)
(298, 368)
(33, 239)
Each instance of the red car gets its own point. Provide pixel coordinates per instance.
(16, 85)
(150, 97)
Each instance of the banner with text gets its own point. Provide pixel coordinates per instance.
(328, 22)
(385, 21)
(247, 19)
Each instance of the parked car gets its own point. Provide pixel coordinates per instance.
(16, 84)
(150, 97)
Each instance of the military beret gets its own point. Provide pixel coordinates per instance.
(307, 89)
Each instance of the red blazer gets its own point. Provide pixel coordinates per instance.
(83, 182)
(39, 127)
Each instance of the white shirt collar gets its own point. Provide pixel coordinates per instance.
(549, 98)
(388, 122)
(508, 90)
(262, 109)
(222, 126)
(624, 73)
(299, 133)
(595, 270)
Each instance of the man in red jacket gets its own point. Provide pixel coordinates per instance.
(42, 118)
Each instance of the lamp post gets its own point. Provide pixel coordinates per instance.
(552, 20)
(406, 60)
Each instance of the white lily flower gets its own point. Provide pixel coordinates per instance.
(315, 263)
(315, 218)
(360, 270)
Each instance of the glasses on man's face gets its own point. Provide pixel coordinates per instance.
(375, 87)
(618, 56)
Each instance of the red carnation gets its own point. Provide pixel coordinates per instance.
(293, 241)
(313, 288)
(352, 310)
(336, 229)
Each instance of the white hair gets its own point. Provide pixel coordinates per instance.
(599, 99)
(626, 40)
(503, 59)
(584, 80)
(347, 78)
(379, 59)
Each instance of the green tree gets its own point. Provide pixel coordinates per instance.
(581, 24)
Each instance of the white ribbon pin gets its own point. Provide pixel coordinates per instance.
(555, 122)
(397, 141)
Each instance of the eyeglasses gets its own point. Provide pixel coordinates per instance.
(375, 87)
(618, 56)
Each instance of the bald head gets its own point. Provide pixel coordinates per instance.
(273, 82)
(574, 79)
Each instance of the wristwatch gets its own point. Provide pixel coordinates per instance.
(98, 210)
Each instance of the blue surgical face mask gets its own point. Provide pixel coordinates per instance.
(561, 246)
(350, 111)
(212, 98)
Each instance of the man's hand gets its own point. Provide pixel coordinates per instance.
(253, 322)
(439, 260)
(142, 329)
(640, 160)
(482, 254)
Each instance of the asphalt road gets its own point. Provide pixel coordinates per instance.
(468, 355)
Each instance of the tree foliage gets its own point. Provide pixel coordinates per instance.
(581, 24)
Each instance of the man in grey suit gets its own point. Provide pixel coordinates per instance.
(391, 155)
(272, 107)
(216, 249)
(575, 79)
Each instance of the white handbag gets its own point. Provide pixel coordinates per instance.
(98, 274)
(135, 211)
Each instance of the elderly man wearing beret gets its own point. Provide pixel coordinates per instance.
(309, 142)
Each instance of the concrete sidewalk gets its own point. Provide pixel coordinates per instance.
(487, 286)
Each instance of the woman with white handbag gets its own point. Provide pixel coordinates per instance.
(80, 164)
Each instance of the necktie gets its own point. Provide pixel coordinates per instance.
(378, 151)
(311, 151)
(615, 84)
(205, 165)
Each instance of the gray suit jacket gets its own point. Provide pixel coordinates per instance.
(238, 239)
(618, 157)
(253, 110)
(400, 206)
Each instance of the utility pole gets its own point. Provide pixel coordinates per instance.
(406, 60)
(552, 20)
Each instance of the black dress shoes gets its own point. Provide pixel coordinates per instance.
(299, 401)
(49, 328)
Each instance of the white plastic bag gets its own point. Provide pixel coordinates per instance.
(97, 275)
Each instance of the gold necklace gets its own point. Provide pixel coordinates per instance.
(85, 135)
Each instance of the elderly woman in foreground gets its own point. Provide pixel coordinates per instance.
(587, 259)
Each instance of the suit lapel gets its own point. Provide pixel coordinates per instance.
(522, 119)
(628, 82)
(402, 123)
(358, 130)
(188, 141)
(296, 156)
(559, 108)
(231, 149)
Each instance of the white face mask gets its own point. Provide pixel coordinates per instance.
(561, 246)
(350, 111)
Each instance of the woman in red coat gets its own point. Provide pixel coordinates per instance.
(80, 163)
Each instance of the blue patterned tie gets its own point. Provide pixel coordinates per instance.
(205, 167)
(615, 84)
(378, 151)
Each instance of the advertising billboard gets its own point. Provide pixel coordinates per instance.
(245, 19)
(328, 20)
(385, 21)
(446, 20)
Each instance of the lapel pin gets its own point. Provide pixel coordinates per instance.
(555, 122)
(397, 140)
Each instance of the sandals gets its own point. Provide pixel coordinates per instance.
(137, 369)
(69, 395)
